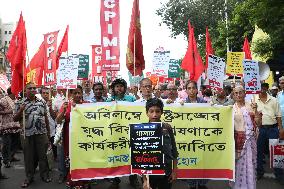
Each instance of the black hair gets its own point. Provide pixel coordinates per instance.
(154, 102)
(190, 81)
(265, 85)
(208, 92)
(98, 84)
(9, 91)
(43, 88)
(78, 87)
(228, 90)
(118, 81)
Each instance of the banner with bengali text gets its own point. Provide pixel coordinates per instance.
(99, 142)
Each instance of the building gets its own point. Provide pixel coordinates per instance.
(6, 32)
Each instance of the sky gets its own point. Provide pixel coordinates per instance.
(83, 18)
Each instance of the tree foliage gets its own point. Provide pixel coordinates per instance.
(243, 16)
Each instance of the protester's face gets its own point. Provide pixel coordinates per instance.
(281, 84)
(154, 113)
(274, 91)
(191, 90)
(31, 90)
(45, 94)
(119, 89)
(54, 92)
(239, 94)
(264, 90)
(146, 88)
(98, 91)
(157, 91)
(77, 95)
(172, 91)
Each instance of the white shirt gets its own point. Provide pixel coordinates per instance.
(88, 97)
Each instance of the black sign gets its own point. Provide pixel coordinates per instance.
(146, 144)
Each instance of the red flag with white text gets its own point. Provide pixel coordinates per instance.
(50, 43)
(110, 19)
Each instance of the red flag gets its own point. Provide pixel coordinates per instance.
(198, 64)
(192, 61)
(17, 56)
(63, 47)
(209, 49)
(135, 38)
(246, 49)
(34, 71)
(187, 62)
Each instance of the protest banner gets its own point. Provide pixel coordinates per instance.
(251, 77)
(83, 68)
(97, 74)
(174, 68)
(276, 148)
(50, 44)
(100, 141)
(67, 72)
(235, 63)
(146, 143)
(110, 19)
(215, 72)
(161, 59)
(4, 83)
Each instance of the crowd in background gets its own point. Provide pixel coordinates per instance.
(257, 118)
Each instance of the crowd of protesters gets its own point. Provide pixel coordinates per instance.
(257, 118)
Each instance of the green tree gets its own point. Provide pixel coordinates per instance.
(243, 16)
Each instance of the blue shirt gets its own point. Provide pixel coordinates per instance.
(280, 97)
(128, 98)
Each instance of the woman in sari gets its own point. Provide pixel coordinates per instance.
(246, 119)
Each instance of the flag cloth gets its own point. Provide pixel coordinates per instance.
(34, 70)
(187, 62)
(135, 45)
(246, 49)
(16, 55)
(192, 61)
(63, 47)
(209, 49)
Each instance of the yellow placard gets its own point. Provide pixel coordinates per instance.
(100, 139)
(235, 63)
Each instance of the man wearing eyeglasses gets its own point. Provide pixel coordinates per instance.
(36, 134)
(172, 94)
(146, 90)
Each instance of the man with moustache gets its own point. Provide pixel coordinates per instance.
(35, 136)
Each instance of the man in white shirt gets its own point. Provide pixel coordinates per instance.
(88, 92)
(146, 90)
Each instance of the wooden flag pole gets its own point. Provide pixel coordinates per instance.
(134, 56)
(24, 116)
